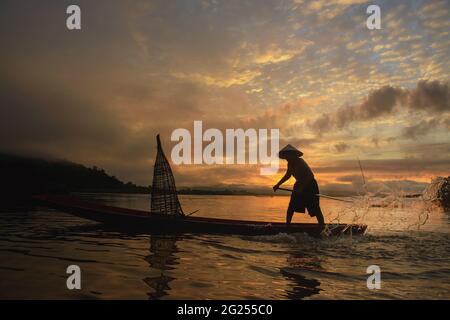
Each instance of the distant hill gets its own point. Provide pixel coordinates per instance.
(22, 176)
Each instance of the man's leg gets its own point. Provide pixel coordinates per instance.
(289, 214)
(319, 216)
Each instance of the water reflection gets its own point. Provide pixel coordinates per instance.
(302, 287)
(37, 245)
(162, 259)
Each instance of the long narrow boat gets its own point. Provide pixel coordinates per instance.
(129, 219)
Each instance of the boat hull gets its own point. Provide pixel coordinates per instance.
(137, 220)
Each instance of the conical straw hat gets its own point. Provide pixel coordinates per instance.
(289, 149)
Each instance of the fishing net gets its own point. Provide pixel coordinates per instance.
(444, 193)
(164, 197)
(393, 204)
(439, 192)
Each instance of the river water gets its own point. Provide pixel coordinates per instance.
(408, 239)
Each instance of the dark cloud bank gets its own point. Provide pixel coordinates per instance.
(429, 97)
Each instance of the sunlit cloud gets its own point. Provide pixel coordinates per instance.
(238, 78)
(310, 68)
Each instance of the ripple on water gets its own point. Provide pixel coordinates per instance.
(37, 245)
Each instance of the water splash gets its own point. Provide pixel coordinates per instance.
(434, 196)
(276, 238)
(438, 192)
(393, 200)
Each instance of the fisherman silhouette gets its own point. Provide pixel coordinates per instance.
(306, 190)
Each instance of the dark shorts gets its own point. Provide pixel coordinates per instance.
(306, 199)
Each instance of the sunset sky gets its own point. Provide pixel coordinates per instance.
(335, 89)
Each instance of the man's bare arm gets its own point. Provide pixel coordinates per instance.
(283, 180)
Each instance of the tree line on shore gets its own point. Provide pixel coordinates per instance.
(25, 176)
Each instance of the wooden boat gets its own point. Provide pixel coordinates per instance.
(138, 220)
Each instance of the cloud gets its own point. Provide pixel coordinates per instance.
(36, 117)
(420, 129)
(386, 166)
(138, 68)
(446, 122)
(377, 103)
(341, 147)
(236, 78)
(356, 180)
(273, 117)
(432, 97)
(350, 178)
(302, 142)
(375, 186)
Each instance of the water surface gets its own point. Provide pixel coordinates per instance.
(409, 242)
